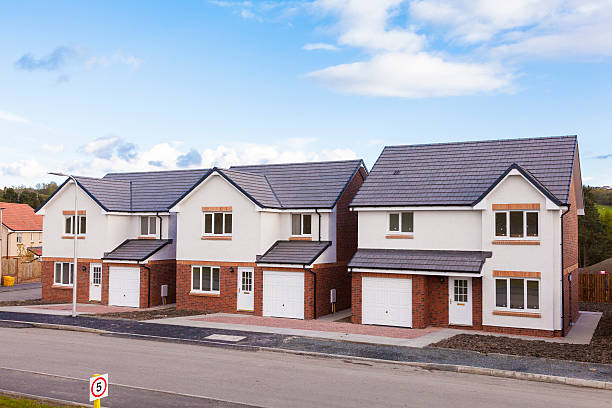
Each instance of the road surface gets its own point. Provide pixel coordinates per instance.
(57, 363)
(23, 291)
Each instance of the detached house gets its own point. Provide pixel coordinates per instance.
(271, 240)
(126, 238)
(21, 230)
(481, 235)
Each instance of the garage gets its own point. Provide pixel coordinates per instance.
(283, 294)
(124, 286)
(386, 301)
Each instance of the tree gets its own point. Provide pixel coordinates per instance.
(10, 195)
(593, 237)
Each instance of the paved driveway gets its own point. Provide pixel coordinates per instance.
(24, 291)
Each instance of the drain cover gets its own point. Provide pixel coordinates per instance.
(224, 337)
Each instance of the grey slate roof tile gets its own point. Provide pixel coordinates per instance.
(136, 249)
(294, 252)
(420, 260)
(459, 173)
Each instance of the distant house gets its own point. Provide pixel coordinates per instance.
(480, 235)
(21, 229)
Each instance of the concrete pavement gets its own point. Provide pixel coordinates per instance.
(22, 291)
(258, 378)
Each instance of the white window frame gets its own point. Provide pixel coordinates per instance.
(19, 238)
(212, 233)
(70, 275)
(525, 280)
(302, 216)
(78, 221)
(399, 214)
(201, 272)
(149, 219)
(507, 236)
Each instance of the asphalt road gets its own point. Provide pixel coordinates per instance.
(25, 291)
(217, 376)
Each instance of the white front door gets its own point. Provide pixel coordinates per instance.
(460, 301)
(246, 297)
(386, 301)
(124, 286)
(95, 282)
(283, 294)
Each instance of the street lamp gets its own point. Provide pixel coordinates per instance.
(74, 229)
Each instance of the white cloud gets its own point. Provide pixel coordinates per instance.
(117, 58)
(320, 46)
(53, 148)
(11, 117)
(413, 76)
(26, 170)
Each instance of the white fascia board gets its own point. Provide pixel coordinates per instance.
(417, 208)
(410, 272)
(119, 261)
(295, 210)
(265, 265)
(134, 213)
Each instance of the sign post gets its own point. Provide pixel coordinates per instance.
(98, 388)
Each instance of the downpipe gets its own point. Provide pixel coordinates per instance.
(563, 278)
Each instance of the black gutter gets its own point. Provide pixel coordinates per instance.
(319, 214)
(160, 224)
(563, 279)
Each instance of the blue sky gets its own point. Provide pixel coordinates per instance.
(92, 87)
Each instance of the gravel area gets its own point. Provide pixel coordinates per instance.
(161, 313)
(598, 351)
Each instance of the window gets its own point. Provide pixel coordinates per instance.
(148, 225)
(522, 294)
(519, 224)
(19, 238)
(401, 222)
(64, 272)
(205, 279)
(69, 224)
(219, 223)
(301, 224)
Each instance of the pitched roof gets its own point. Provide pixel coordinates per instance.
(305, 185)
(420, 260)
(294, 252)
(460, 173)
(136, 249)
(36, 250)
(20, 217)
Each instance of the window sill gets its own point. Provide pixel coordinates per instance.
(298, 238)
(217, 238)
(56, 286)
(515, 242)
(204, 294)
(72, 237)
(516, 314)
(399, 236)
(147, 237)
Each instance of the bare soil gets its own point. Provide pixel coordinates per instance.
(27, 302)
(151, 314)
(598, 351)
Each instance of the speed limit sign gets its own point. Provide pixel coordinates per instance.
(98, 387)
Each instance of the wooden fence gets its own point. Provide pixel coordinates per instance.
(595, 287)
(22, 271)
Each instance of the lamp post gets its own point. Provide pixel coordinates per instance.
(74, 230)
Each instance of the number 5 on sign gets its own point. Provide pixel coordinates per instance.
(98, 388)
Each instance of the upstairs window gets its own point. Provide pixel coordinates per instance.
(148, 225)
(19, 238)
(517, 224)
(70, 221)
(301, 224)
(401, 222)
(218, 223)
(64, 272)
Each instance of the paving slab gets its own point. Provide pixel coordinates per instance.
(65, 309)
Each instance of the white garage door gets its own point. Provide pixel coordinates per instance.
(124, 286)
(386, 301)
(283, 294)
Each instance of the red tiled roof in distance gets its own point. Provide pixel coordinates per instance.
(20, 217)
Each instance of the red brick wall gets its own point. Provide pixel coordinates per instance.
(224, 302)
(570, 258)
(332, 277)
(64, 294)
(162, 273)
(420, 302)
(346, 221)
(522, 331)
(437, 295)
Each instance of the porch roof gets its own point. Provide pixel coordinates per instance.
(294, 252)
(136, 249)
